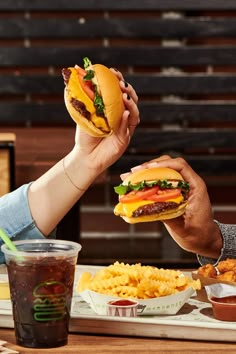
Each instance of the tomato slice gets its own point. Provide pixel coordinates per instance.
(165, 194)
(135, 196)
(87, 86)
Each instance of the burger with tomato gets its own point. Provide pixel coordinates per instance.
(93, 98)
(152, 194)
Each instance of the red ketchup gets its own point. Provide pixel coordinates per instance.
(122, 302)
(225, 300)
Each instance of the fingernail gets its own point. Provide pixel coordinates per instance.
(137, 168)
(115, 69)
(128, 96)
(126, 84)
(124, 175)
(152, 164)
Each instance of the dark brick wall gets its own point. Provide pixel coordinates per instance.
(31, 100)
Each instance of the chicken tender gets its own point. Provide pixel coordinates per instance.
(227, 276)
(226, 265)
(208, 270)
(224, 271)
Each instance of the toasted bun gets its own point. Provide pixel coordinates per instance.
(153, 174)
(169, 214)
(109, 88)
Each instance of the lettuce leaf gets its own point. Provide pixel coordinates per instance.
(163, 184)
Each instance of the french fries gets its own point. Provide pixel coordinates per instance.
(136, 281)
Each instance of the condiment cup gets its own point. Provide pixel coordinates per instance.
(122, 308)
(224, 308)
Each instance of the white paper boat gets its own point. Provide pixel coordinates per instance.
(165, 305)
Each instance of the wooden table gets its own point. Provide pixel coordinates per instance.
(101, 344)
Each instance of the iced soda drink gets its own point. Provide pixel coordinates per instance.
(41, 277)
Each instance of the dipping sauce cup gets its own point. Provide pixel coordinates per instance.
(122, 308)
(224, 309)
(41, 277)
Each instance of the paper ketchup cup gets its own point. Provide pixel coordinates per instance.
(122, 308)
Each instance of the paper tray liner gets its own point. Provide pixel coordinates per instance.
(208, 281)
(201, 294)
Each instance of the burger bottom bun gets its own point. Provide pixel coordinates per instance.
(169, 214)
(86, 125)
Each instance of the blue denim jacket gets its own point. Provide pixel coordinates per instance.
(15, 217)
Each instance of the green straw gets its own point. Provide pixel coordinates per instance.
(7, 240)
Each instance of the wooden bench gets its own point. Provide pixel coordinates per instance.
(179, 56)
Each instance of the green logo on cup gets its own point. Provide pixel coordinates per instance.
(49, 299)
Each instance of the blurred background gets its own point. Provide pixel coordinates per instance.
(180, 56)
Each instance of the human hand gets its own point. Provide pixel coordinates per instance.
(196, 230)
(100, 153)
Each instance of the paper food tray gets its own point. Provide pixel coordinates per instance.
(208, 281)
(165, 305)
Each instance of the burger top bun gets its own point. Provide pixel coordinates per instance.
(109, 88)
(153, 174)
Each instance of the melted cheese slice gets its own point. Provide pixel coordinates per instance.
(75, 91)
(127, 209)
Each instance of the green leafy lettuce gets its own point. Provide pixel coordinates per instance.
(98, 101)
(163, 184)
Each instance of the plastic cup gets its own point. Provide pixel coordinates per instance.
(41, 277)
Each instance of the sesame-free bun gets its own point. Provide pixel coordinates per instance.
(109, 88)
(153, 174)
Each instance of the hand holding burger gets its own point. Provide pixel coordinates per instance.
(93, 98)
(196, 232)
(152, 194)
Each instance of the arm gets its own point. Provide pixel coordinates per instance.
(51, 196)
(15, 216)
(196, 231)
(228, 250)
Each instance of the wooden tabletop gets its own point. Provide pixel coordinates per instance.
(101, 344)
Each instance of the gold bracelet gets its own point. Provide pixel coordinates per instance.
(64, 168)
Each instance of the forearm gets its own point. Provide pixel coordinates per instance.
(228, 249)
(53, 194)
(210, 241)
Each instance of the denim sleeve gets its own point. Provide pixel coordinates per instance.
(15, 217)
(228, 232)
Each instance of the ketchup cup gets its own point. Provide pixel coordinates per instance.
(122, 308)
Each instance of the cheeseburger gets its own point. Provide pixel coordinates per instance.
(152, 194)
(93, 98)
